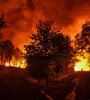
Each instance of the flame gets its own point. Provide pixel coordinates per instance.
(83, 64)
(6, 64)
(21, 64)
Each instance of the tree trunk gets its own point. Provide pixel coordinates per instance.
(1, 60)
(39, 78)
(57, 76)
(16, 64)
(47, 80)
(9, 61)
(4, 60)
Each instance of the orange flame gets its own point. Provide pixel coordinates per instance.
(83, 64)
(12, 63)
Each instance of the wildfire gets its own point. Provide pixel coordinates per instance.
(18, 64)
(83, 64)
(6, 64)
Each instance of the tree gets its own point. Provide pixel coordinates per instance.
(2, 22)
(17, 55)
(46, 46)
(57, 68)
(63, 51)
(8, 50)
(38, 51)
(82, 42)
(2, 25)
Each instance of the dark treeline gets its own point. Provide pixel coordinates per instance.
(7, 49)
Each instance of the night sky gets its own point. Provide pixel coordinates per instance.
(22, 16)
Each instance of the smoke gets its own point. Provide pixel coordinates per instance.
(22, 16)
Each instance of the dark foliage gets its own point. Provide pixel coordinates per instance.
(46, 47)
(83, 39)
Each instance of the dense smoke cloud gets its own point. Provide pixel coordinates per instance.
(22, 15)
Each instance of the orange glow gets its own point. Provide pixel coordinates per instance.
(82, 65)
(21, 64)
(6, 64)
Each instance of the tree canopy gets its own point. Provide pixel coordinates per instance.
(47, 45)
(82, 42)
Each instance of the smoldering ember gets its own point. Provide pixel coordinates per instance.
(44, 49)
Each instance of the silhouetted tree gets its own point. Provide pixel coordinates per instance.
(48, 45)
(8, 50)
(63, 51)
(39, 51)
(2, 25)
(17, 55)
(82, 42)
(1, 53)
(2, 22)
(57, 68)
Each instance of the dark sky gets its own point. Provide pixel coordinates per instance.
(22, 16)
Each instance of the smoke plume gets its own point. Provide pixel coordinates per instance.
(22, 16)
